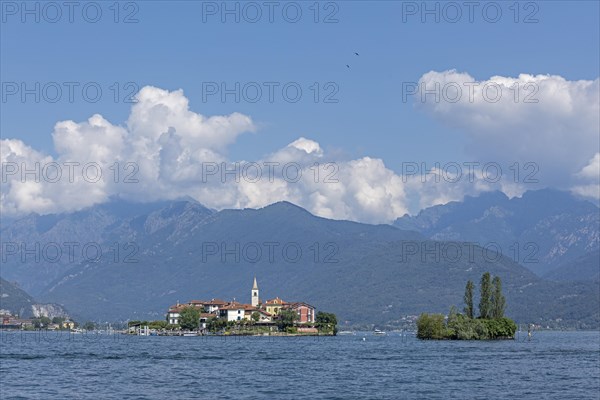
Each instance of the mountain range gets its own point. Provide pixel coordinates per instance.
(156, 254)
(542, 229)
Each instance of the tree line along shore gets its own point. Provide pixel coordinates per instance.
(285, 324)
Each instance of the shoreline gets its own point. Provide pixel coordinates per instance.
(198, 334)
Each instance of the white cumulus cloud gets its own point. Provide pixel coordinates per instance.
(589, 179)
(545, 119)
(166, 151)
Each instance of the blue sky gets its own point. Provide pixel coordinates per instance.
(172, 48)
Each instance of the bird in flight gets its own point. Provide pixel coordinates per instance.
(356, 54)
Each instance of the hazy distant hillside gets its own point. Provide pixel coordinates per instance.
(67, 234)
(364, 273)
(549, 227)
(15, 299)
(584, 268)
(18, 302)
(418, 282)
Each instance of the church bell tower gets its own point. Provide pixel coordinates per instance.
(255, 294)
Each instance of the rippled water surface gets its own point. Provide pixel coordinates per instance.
(554, 365)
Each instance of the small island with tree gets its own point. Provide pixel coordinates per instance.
(491, 323)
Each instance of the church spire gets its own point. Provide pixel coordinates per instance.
(254, 292)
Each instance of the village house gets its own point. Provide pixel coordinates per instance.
(9, 321)
(213, 305)
(306, 312)
(273, 306)
(263, 316)
(263, 313)
(232, 312)
(173, 313)
(68, 324)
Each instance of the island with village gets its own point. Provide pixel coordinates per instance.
(274, 317)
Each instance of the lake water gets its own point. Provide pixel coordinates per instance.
(553, 365)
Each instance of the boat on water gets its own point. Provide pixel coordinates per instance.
(346, 333)
(378, 332)
(190, 334)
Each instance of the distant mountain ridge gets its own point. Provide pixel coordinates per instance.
(582, 269)
(549, 226)
(101, 224)
(362, 272)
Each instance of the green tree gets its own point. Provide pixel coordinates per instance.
(189, 318)
(255, 316)
(325, 318)
(215, 324)
(469, 299)
(326, 322)
(45, 321)
(453, 314)
(501, 328)
(498, 300)
(158, 325)
(462, 327)
(286, 319)
(486, 292)
(431, 327)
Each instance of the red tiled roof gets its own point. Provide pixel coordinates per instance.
(275, 301)
(177, 308)
(298, 304)
(236, 306)
(216, 302)
(250, 309)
